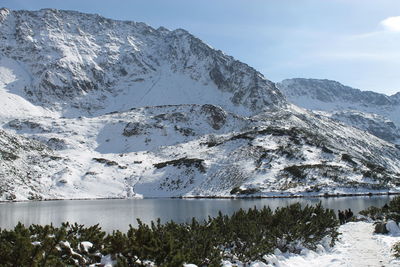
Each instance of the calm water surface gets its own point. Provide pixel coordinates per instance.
(118, 214)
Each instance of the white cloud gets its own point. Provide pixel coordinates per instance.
(391, 24)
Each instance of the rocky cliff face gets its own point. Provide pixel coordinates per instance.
(92, 107)
(370, 111)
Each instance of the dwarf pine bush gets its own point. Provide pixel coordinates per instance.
(391, 211)
(396, 250)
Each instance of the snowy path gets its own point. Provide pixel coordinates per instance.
(361, 247)
(357, 247)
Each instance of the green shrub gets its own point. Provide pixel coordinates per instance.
(296, 171)
(373, 212)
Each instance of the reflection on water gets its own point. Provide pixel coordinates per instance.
(118, 213)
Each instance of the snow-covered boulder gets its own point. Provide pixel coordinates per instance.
(392, 227)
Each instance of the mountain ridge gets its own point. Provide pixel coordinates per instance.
(84, 56)
(337, 90)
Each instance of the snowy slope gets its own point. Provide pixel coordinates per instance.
(370, 111)
(119, 109)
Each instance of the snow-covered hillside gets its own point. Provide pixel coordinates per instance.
(374, 112)
(92, 108)
(202, 150)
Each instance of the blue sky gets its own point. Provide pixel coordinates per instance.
(356, 42)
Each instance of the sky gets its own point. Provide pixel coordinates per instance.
(356, 42)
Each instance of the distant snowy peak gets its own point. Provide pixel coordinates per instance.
(370, 111)
(92, 63)
(329, 91)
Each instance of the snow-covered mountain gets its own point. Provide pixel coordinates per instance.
(92, 108)
(374, 112)
(71, 62)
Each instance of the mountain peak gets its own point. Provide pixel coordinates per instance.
(87, 61)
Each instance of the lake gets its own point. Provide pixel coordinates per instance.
(117, 214)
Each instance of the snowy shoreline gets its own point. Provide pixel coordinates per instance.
(369, 194)
(325, 195)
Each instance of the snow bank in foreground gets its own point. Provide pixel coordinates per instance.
(358, 247)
